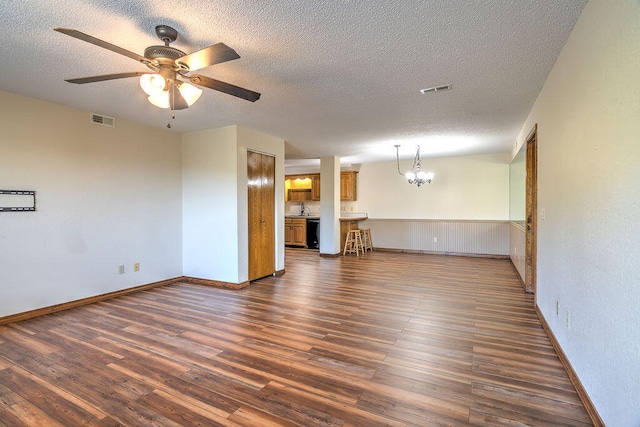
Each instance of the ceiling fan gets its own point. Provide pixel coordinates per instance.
(168, 82)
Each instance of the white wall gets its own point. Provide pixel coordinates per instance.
(215, 215)
(210, 204)
(105, 197)
(588, 117)
(466, 187)
(330, 205)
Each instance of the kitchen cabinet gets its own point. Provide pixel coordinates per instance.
(349, 186)
(315, 187)
(299, 194)
(295, 232)
(302, 188)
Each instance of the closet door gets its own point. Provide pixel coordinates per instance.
(261, 194)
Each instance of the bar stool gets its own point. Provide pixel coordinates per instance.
(353, 243)
(367, 243)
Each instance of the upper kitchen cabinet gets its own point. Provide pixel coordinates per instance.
(315, 187)
(348, 186)
(302, 188)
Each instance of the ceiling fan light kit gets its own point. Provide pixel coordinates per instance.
(169, 66)
(153, 84)
(162, 99)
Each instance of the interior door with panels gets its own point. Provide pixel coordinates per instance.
(261, 205)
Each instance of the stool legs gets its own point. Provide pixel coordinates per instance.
(353, 243)
(367, 243)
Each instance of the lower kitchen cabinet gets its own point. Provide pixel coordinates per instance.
(295, 232)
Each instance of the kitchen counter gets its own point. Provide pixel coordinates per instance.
(353, 218)
(342, 218)
(293, 238)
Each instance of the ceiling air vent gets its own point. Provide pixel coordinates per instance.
(99, 119)
(436, 89)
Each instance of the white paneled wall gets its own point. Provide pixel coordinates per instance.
(472, 237)
(517, 247)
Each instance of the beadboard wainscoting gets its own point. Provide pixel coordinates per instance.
(518, 247)
(473, 237)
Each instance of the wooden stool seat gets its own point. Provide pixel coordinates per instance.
(353, 243)
(367, 243)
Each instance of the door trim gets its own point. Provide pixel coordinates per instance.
(531, 229)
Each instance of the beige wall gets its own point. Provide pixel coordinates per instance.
(588, 117)
(105, 197)
(465, 187)
(210, 205)
(215, 206)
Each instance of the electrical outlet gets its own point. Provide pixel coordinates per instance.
(557, 308)
(136, 266)
(568, 320)
(121, 269)
(435, 240)
(515, 250)
(542, 214)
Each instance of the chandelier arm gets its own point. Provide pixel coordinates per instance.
(398, 160)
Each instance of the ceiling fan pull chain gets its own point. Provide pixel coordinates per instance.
(173, 116)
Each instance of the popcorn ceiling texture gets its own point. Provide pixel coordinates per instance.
(337, 78)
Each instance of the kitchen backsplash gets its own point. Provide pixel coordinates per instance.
(313, 208)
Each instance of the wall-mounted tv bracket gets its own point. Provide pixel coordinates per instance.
(17, 201)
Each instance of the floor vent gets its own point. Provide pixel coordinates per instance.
(99, 119)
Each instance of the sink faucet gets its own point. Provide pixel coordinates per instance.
(302, 208)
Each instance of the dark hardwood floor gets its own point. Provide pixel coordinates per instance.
(381, 339)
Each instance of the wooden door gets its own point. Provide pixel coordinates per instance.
(532, 211)
(261, 205)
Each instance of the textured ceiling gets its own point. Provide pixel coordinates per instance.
(337, 78)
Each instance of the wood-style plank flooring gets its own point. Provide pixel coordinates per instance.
(384, 339)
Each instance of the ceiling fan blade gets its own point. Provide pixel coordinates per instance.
(90, 39)
(227, 88)
(176, 100)
(214, 54)
(102, 78)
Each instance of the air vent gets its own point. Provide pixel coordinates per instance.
(103, 120)
(436, 89)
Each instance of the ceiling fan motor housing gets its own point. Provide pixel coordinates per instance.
(163, 52)
(165, 55)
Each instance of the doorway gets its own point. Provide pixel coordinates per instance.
(532, 210)
(261, 215)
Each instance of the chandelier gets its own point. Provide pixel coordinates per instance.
(418, 177)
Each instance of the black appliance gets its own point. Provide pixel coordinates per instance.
(313, 233)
